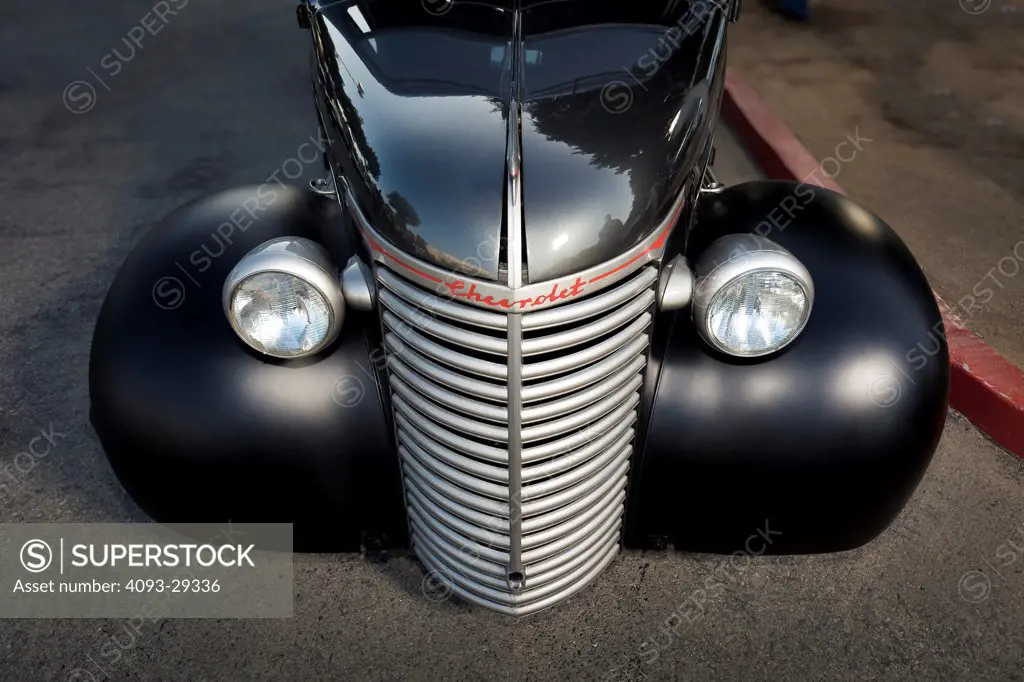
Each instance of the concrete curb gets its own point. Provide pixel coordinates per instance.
(985, 387)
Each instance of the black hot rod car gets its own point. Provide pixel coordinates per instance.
(519, 324)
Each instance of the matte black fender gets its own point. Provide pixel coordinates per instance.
(200, 428)
(819, 447)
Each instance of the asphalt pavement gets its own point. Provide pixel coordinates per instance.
(934, 92)
(219, 97)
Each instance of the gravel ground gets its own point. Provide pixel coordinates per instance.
(77, 190)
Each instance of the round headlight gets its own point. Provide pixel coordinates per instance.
(284, 298)
(752, 296)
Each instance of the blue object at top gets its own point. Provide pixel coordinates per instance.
(797, 8)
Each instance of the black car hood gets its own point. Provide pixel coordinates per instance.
(616, 105)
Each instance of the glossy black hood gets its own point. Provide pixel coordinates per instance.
(615, 103)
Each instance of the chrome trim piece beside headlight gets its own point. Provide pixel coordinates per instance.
(357, 285)
(675, 286)
(733, 258)
(301, 259)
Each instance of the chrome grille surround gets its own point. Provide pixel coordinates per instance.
(581, 372)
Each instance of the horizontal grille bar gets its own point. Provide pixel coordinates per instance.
(588, 500)
(608, 517)
(567, 495)
(450, 399)
(439, 434)
(472, 531)
(442, 330)
(602, 325)
(430, 524)
(588, 375)
(591, 354)
(454, 421)
(584, 436)
(425, 475)
(441, 375)
(595, 305)
(579, 475)
(467, 363)
(583, 398)
(424, 490)
(551, 569)
(621, 432)
(440, 306)
(586, 416)
(472, 483)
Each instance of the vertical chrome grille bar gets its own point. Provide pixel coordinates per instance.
(516, 575)
(514, 356)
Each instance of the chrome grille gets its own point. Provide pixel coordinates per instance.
(581, 368)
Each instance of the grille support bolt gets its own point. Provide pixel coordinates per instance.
(516, 580)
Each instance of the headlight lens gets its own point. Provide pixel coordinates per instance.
(752, 297)
(757, 313)
(280, 314)
(284, 298)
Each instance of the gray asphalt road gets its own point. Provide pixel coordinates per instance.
(219, 97)
(934, 89)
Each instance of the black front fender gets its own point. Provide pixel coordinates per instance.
(824, 442)
(200, 428)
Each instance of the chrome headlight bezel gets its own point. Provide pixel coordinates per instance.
(731, 258)
(296, 257)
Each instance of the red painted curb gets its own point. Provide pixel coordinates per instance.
(985, 387)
